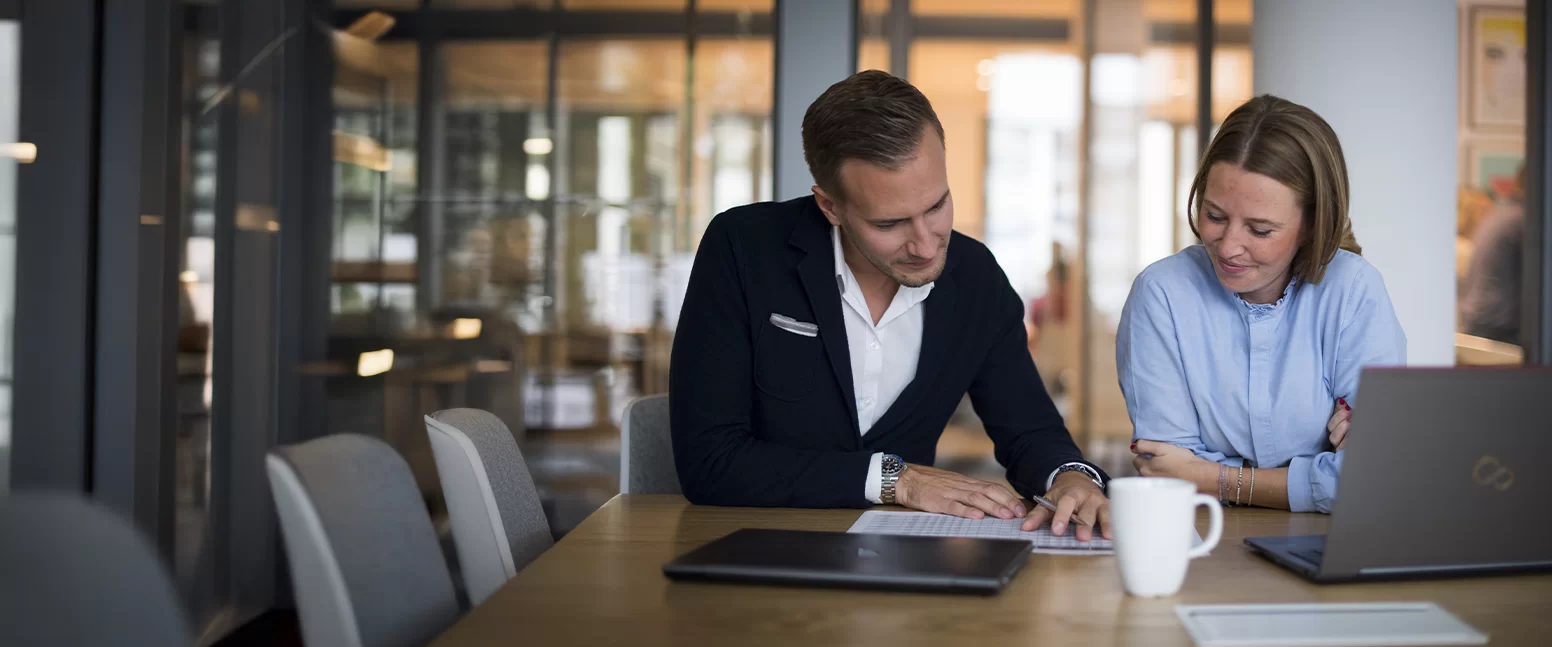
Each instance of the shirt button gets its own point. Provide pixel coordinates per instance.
(873, 345)
(867, 402)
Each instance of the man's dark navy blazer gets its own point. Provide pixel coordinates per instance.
(766, 417)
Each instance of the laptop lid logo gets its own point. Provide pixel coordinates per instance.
(1492, 473)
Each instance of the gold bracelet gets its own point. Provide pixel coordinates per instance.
(1251, 501)
(1239, 482)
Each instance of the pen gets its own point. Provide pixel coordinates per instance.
(1044, 502)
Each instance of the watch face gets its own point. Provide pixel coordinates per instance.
(892, 464)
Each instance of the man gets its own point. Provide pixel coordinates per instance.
(1490, 295)
(825, 341)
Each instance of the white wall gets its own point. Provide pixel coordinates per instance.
(1383, 73)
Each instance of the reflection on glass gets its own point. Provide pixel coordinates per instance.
(374, 179)
(10, 89)
(562, 220)
(194, 561)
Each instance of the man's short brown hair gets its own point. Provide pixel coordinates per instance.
(871, 116)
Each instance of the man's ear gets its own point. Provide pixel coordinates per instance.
(827, 204)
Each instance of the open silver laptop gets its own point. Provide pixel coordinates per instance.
(1447, 472)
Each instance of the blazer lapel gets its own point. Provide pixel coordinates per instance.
(817, 271)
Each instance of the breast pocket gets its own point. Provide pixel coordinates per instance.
(785, 362)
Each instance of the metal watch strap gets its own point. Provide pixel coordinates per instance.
(1085, 470)
(892, 467)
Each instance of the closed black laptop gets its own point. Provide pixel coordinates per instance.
(846, 560)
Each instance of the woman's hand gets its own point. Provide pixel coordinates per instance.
(1163, 459)
(1336, 427)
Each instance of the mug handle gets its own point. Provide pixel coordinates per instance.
(1215, 532)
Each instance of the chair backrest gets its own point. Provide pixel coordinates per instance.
(365, 561)
(498, 522)
(72, 573)
(647, 448)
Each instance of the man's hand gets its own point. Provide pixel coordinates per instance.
(1073, 492)
(933, 490)
(1336, 427)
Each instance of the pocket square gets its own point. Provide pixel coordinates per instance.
(794, 326)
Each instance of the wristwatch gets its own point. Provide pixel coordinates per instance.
(891, 468)
(1083, 469)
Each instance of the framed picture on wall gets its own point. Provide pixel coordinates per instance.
(1495, 60)
(1493, 162)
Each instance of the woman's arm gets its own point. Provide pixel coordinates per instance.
(1267, 488)
(1370, 335)
(1152, 372)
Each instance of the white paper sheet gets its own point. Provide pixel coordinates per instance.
(927, 524)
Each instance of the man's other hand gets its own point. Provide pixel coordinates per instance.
(933, 490)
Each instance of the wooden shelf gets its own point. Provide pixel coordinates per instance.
(373, 272)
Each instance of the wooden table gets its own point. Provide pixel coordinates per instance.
(603, 585)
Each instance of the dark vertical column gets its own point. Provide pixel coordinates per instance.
(305, 209)
(1536, 328)
(55, 281)
(552, 216)
(245, 383)
(816, 46)
(899, 30)
(430, 157)
(132, 441)
(1205, 42)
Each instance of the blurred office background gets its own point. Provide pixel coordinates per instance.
(253, 222)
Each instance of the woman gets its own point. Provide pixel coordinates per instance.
(1240, 357)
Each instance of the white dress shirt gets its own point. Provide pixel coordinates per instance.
(883, 355)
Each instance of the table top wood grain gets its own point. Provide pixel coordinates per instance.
(603, 584)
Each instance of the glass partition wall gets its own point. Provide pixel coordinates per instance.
(1071, 132)
(519, 191)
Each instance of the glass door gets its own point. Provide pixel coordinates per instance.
(12, 153)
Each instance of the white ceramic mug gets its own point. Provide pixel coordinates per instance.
(1155, 523)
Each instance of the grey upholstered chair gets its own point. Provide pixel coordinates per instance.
(365, 561)
(647, 448)
(72, 573)
(498, 522)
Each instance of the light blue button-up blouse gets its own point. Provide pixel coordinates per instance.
(1248, 384)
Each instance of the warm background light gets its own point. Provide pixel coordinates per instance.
(375, 362)
(22, 152)
(467, 328)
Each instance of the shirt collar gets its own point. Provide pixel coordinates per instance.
(846, 281)
(1269, 307)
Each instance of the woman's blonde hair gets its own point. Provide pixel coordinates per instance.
(1289, 143)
